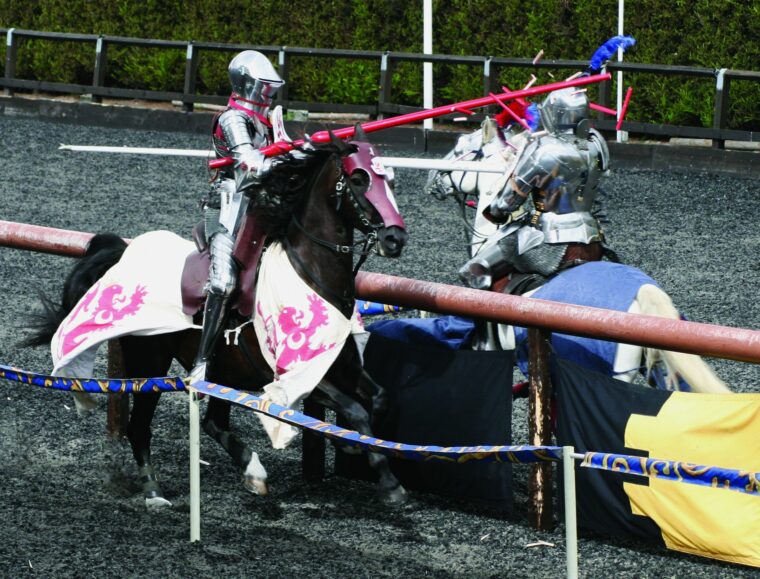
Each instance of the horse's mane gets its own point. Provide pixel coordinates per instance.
(288, 182)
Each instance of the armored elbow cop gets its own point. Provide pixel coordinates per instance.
(486, 267)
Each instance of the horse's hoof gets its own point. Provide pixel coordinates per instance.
(395, 496)
(157, 503)
(257, 486)
(85, 404)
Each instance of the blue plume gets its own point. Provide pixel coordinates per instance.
(532, 116)
(608, 49)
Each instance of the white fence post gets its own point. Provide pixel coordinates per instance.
(571, 527)
(195, 467)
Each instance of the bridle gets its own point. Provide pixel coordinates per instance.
(343, 193)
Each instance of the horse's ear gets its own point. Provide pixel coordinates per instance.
(336, 142)
(359, 133)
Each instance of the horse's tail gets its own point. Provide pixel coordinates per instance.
(103, 251)
(693, 369)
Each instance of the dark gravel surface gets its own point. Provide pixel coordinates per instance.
(63, 516)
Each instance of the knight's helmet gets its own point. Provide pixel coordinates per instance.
(563, 109)
(254, 80)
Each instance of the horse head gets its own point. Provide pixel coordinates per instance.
(369, 191)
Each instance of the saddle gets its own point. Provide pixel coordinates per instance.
(518, 283)
(249, 246)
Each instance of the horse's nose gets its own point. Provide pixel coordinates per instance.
(391, 241)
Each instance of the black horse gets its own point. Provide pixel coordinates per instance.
(311, 203)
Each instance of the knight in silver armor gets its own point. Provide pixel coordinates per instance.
(544, 210)
(246, 125)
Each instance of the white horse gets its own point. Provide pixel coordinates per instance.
(599, 284)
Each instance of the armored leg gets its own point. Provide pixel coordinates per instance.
(221, 285)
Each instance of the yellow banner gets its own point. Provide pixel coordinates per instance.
(720, 429)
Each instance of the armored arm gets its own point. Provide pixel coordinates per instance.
(528, 174)
(244, 136)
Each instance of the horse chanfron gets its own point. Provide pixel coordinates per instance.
(371, 186)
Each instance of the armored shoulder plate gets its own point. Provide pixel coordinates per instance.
(598, 148)
(238, 128)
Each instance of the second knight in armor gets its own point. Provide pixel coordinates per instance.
(545, 208)
(239, 132)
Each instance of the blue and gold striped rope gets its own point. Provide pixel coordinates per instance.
(455, 454)
(743, 481)
(415, 452)
(93, 385)
(712, 476)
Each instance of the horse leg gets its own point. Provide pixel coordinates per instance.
(216, 423)
(145, 356)
(139, 435)
(85, 403)
(627, 362)
(652, 301)
(358, 418)
(483, 336)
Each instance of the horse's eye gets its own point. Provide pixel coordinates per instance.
(359, 181)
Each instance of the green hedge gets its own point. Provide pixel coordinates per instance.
(705, 33)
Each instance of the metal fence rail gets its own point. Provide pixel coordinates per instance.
(719, 132)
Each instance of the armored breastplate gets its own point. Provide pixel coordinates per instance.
(564, 171)
(235, 127)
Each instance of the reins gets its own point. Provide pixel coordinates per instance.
(361, 248)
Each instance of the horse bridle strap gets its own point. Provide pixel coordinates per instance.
(341, 187)
(338, 248)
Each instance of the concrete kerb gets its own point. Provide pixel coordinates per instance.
(634, 154)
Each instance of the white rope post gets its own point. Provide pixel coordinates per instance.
(195, 467)
(571, 526)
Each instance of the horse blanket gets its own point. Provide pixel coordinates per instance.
(597, 284)
(140, 295)
(300, 334)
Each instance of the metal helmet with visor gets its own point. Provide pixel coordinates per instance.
(254, 79)
(563, 109)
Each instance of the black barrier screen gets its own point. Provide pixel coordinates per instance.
(445, 397)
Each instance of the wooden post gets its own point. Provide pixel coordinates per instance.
(386, 81)
(118, 404)
(489, 84)
(191, 72)
(539, 428)
(720, 110)
(283, 69)
(488, 80)
(99, 75)
(605, 95)
(11, 51)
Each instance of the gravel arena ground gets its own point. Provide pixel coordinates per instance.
(64, 515)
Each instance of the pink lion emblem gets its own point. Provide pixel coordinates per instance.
(113, 305)
(290, 338)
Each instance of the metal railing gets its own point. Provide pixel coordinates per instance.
(718, 132)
